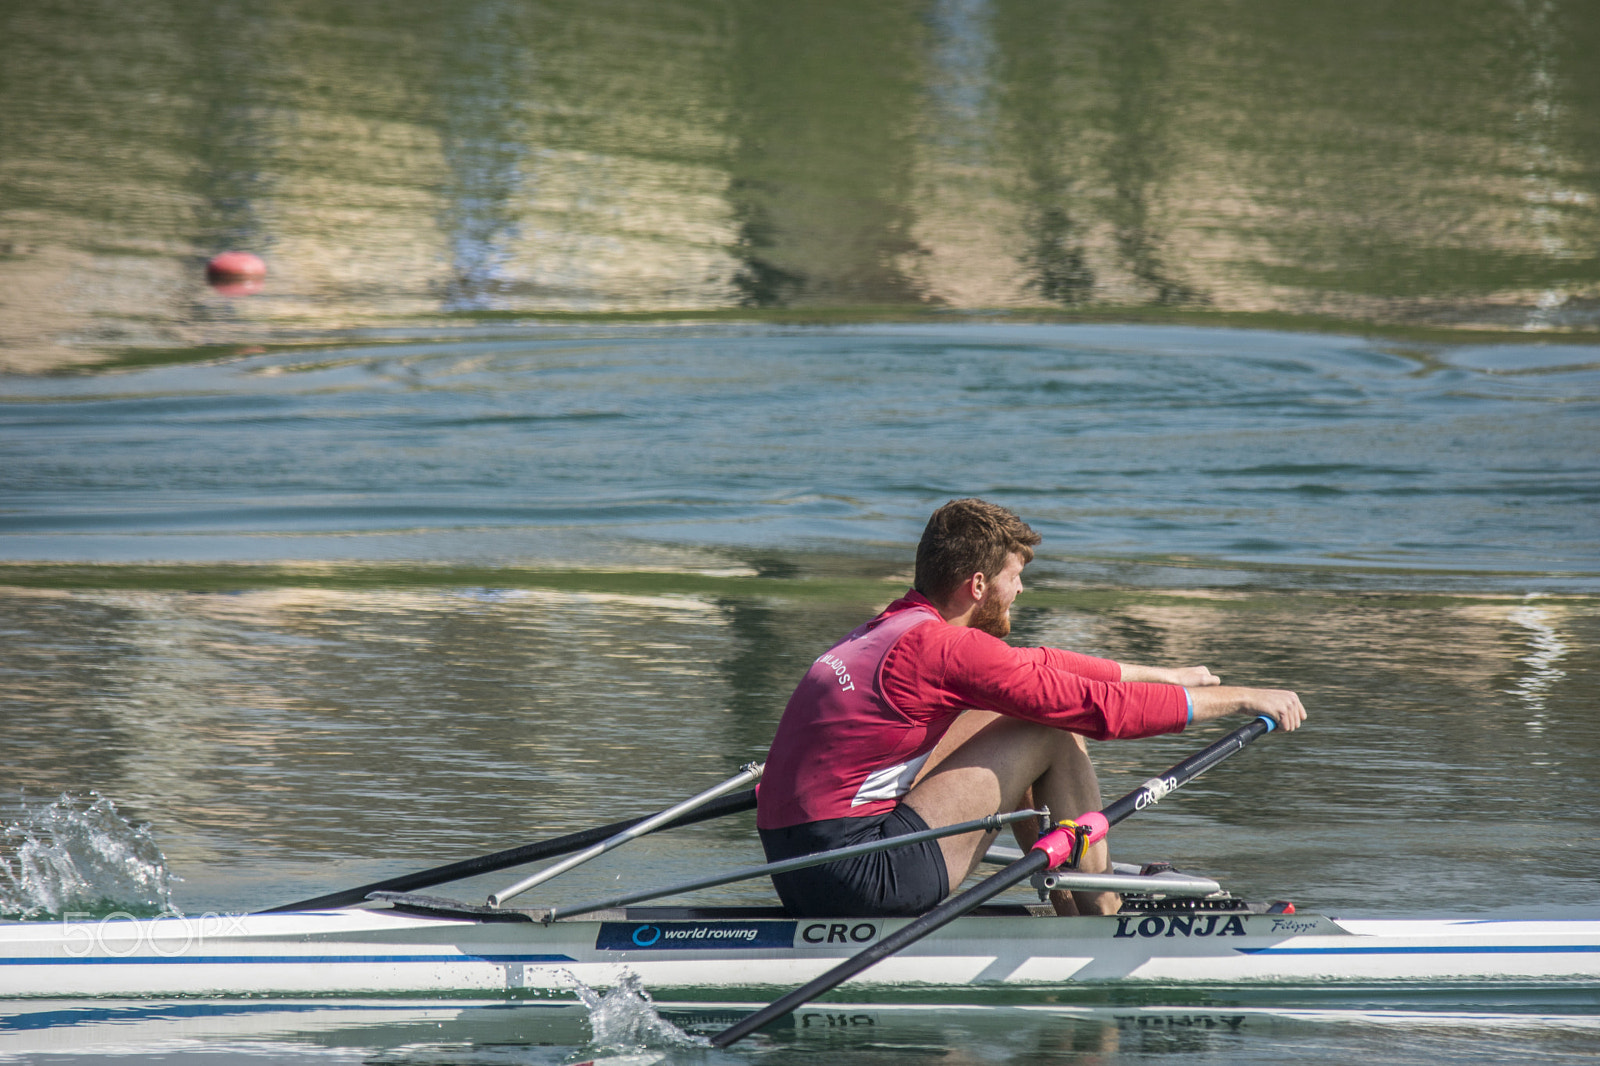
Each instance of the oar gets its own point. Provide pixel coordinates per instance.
(989, 824)
(1052, 849)
(502, 860)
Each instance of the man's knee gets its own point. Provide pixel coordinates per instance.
(1058, 740)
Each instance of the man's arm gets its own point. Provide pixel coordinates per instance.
(1210, 700)
(1187, 676)
(958, 667)
(1281, 705)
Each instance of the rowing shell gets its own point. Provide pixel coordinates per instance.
(363, 951)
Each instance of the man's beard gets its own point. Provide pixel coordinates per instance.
(991, 618)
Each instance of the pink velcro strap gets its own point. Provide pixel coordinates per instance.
(1057, 844)
(1096, 824)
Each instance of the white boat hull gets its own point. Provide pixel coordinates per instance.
(359, 952)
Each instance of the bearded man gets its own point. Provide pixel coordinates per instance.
(925, 717)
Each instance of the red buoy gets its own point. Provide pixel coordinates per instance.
(236, 273)
(236, 265)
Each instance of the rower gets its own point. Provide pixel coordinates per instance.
(925, 717)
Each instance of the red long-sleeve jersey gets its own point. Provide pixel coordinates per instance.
(868, 712)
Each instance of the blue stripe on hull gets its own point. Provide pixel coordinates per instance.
(198, 960)
(1486, 949)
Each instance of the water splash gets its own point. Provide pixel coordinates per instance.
(624, 1019)
(81, 857)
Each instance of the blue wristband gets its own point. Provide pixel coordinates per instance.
(1190, 697)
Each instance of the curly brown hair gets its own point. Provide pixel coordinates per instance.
(966, 537)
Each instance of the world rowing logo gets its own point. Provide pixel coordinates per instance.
(693, 936)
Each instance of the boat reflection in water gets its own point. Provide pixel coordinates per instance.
(556, 1031)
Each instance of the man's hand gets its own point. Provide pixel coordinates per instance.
(1187, 676)
(1279, 704)
(1194, 677)
(1211, 700)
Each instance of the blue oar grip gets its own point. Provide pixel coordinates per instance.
(1271, 725)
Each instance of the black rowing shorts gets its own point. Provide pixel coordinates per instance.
(894, 883)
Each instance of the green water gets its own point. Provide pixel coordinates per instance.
(1421, 163)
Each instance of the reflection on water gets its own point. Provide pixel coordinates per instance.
(284, 740)
(1424, 162)
(484, 79)
(824, 100)
(1545, 652)
(432, 1034)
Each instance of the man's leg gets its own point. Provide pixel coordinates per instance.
(988, 763)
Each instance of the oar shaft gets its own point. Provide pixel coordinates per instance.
(1152, 791)
(1059, 844)
(989, 824)
(747, 775)
(504, 860)
(906, 935)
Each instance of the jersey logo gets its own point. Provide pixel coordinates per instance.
(840, 670)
